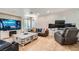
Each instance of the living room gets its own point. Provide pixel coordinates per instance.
(35, 29)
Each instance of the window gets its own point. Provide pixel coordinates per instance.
(29, 23)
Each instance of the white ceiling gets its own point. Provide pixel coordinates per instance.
(45, 11)
(38, 11)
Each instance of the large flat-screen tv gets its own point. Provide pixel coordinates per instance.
(1, 26)
(10, 24)
(60, 23)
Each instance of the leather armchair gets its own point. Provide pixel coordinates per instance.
(40, 33)
(6, 46)
(69, 36)
(45, 34)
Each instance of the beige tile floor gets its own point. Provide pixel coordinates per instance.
(48, 44)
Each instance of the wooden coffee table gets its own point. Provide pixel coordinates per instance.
(24, 38)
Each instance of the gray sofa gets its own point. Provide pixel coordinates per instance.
(6, 46)
(69, 36)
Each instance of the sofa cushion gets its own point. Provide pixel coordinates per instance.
(63, 34)
(39, 30)
(71, 32)
(4, 44)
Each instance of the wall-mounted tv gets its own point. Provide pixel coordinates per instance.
(18, 24)
(10, 24)
(1, 26)
(60, 23)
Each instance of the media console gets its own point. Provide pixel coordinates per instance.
(61, 24)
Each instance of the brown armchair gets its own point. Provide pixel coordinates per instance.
(41, 31)
(46, 33)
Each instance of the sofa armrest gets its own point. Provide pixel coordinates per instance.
(15, 46)
(4, 45)
(58, 37)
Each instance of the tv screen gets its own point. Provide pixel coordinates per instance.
(1, 25)
(10, 24)
(60, 23)
(18, 24)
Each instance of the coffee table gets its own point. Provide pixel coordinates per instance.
(24, 38)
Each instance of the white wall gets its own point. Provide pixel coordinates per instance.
(9, 14)
(71, 16)
(13, 11)
(5, 34)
